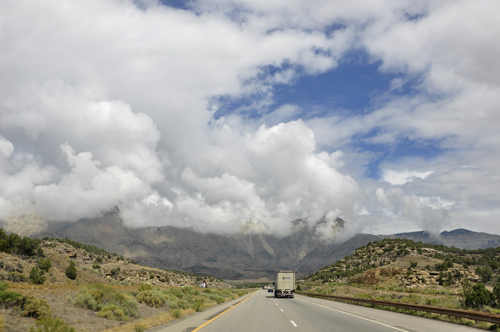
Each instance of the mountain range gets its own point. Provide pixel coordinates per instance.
(236, 256)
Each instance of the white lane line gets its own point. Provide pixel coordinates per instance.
(276, 303)
(293, 323)
(281, 310)
(367, 319)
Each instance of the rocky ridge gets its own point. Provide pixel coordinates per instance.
(409, 264)
(118, 269)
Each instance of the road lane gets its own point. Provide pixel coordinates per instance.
(263, 312)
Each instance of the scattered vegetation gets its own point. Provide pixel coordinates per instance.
(22, 246)
(107, 302)
(51, 325)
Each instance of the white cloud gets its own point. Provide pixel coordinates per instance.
(129, 93)
(401, 177)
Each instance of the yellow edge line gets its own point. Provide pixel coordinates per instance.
(346, 313)
(199, 327)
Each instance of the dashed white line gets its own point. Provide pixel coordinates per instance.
(281, 310)
(276, 303)
(295, 325)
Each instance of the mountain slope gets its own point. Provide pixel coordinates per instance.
(237, 256)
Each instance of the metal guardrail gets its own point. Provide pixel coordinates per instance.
(474, 315)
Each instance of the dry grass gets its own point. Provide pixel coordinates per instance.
(150, 322)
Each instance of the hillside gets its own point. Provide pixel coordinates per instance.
(400, 270)
(412, 265)
(234, 256)
(149, 291)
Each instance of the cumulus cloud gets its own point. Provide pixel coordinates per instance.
(109, 103)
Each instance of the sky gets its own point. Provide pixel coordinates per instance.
(243, 115)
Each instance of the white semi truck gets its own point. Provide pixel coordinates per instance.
(284, 284)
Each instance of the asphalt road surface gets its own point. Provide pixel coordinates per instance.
(261, 311)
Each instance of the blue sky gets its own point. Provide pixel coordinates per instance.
(242, 115)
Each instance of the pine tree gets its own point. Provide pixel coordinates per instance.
(71, 271)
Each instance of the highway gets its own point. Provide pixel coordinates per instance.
(261, 311)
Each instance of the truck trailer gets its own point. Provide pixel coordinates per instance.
(284, 284)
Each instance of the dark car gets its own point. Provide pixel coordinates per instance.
(270, 290)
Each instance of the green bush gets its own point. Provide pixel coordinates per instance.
(98, 296)
(85, 300)
(144, 287)
(52, 325)
(112, 311)
(9, 299)
(34, 307)
(298, 288)
(115, 272)
(23, 246)
(16, 277)
(147, 297)
(198, 306)
(485, 273)
(476, 296)
(44, 264)
(140, 328)
(36, 276)
(71, 271)
(176, 313)
(96, 266)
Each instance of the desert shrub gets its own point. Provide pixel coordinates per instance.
(44, 264)
(496, 293)
(34, 307)
(139, 328)
(98, 296)
(147, 297)
(85, 300)
(112, 311)
(298, 288)
(219, 299)
(7, 298)
(476, 296)
(440, 279)
(413, 265)
(176, 313)
(98, 259)
(144, 287)
(431, 301)
(177, 292)
(52, 325)
(181, 304)
(484, 273)
(16, 277)
(36, 276)
(96, 266)
(198, 306)
(115, 272)
(71, 271)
